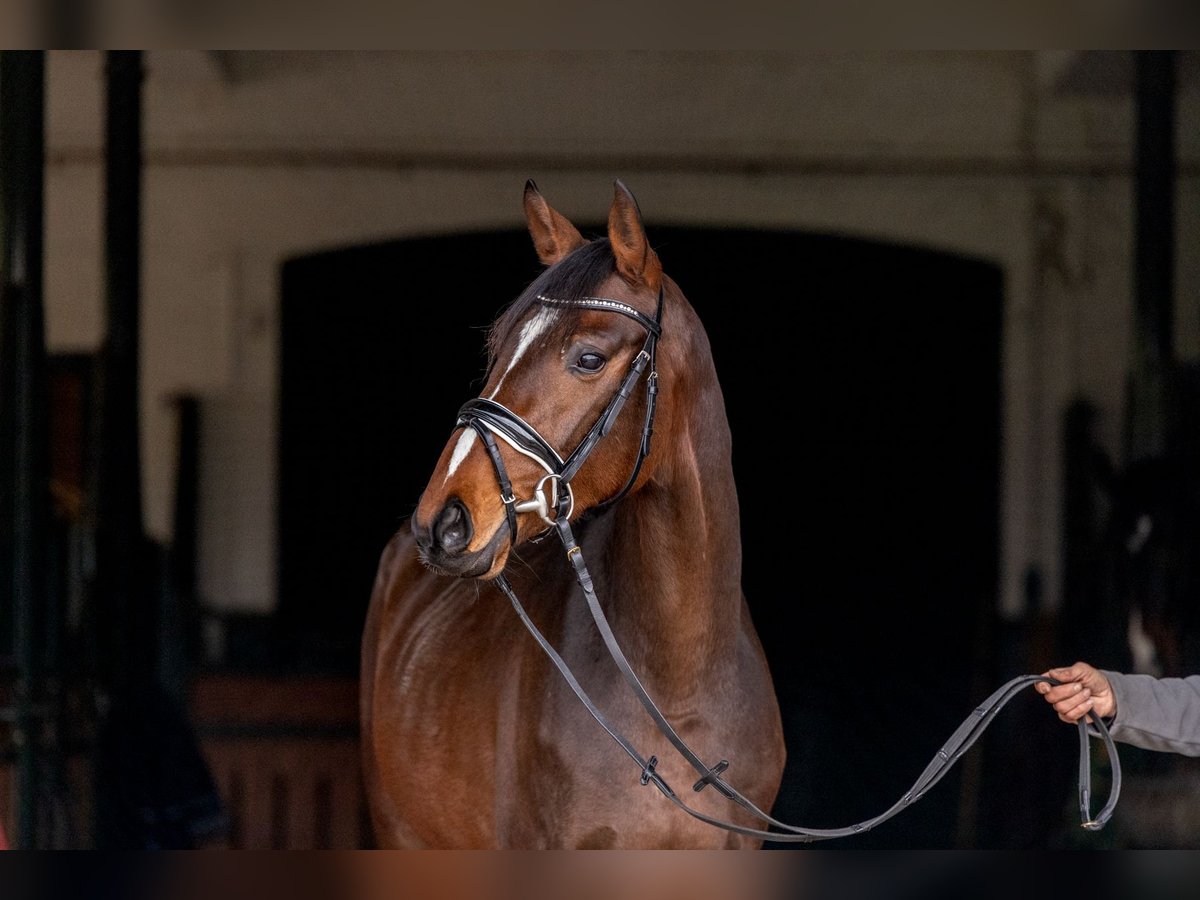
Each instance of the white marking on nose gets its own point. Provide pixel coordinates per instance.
(466, 441)
(530, 332)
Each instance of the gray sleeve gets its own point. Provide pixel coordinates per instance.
(1157, 713)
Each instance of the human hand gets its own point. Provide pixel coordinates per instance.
(1084, 691)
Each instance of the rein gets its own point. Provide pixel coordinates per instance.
(491, 420)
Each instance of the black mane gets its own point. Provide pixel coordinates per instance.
(576, 275)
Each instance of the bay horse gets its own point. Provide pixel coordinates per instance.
(470, 737)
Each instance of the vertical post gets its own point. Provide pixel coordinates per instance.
(120, 583)
(124, 619)
(25, 491)
(1154, 251)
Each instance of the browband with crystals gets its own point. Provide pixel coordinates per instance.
(609, 305)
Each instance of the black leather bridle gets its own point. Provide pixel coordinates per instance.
(490, 419)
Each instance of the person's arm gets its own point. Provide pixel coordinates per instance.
(1154, 713)
(1157, 713)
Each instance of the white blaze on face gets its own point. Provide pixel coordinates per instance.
(466, 441)
(530, 332)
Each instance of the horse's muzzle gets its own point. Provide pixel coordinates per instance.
(443, 542)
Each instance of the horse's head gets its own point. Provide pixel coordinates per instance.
(557, 361)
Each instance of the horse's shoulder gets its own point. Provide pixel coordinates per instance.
(428, 627)
(400, 579)
(399, 554)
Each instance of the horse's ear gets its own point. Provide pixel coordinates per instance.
(636, 261)
(553, 236)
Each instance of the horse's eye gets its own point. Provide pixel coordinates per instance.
(590, 362)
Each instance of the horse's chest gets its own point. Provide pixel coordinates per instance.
(566, 784)
(487, 746)
(438, 681)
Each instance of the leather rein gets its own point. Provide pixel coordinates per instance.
(492, 420)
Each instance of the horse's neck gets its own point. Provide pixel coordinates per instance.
(676, 561)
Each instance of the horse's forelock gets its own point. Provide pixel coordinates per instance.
(576, 275)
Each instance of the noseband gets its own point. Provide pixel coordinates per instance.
(490, 420)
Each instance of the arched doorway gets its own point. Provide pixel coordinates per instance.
(870, 538)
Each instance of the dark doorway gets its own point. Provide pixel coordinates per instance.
(870, 536)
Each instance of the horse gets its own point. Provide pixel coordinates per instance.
(470, 738)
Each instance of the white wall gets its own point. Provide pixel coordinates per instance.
(281, 154)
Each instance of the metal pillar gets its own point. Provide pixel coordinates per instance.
(126, 637)
(124, 616)
(24, 492)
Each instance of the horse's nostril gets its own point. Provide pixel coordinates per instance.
(452, 530)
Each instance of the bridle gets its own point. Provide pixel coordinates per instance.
(490, 420)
